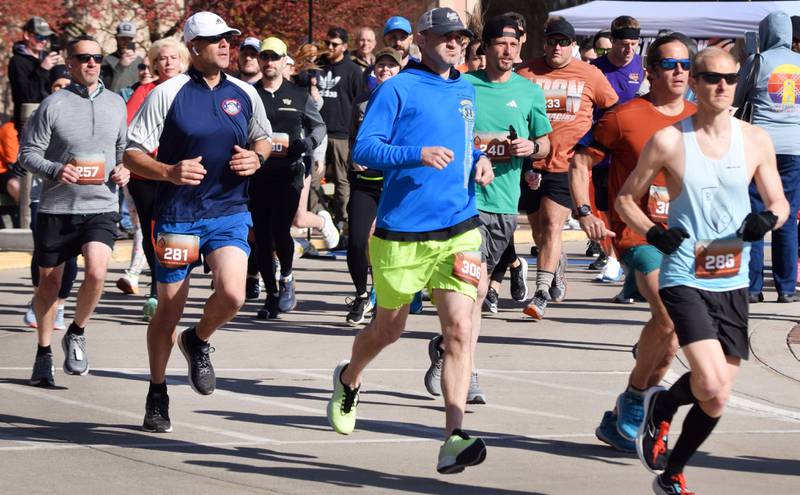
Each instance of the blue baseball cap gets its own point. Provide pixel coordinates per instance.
(397, 22)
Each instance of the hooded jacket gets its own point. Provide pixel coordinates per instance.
(29, 82)
(776, 96)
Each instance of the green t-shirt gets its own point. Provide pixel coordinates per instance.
(517, 102)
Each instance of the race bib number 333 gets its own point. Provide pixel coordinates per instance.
(718, 259)
(177, 250)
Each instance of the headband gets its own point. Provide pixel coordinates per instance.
(625, 34)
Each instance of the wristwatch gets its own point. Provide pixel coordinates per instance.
(535, 149)
(583, 211)
(261, 159)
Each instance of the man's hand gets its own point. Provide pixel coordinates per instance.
(484, 173)
(437, 157)
(244, 162)
(68, 174)
(358, 168)
(120, 175)
(319, 168)
(595, 228)
(756, 226)
(188, 172)
(522, 147)
(533, 179)
(666, 240)
(52, 59)
(127, 58)
(296, 149)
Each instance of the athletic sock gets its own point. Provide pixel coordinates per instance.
(696, 428)
(287, 278)
(157, 388)
(74, 329)
(192, 339)
(635, 391)
(41, 351)
(544, 280)
(678, 395)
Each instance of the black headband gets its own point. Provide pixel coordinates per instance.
(625, 34)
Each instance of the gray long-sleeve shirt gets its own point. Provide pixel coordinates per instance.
(72, 122)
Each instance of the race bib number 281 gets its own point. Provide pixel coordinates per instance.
(177, 250)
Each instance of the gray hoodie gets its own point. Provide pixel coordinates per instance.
(776, 98)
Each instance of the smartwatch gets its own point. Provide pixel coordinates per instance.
(535, 150)
(583, 211)
(261, 159)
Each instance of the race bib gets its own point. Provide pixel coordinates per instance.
(280, 145)
(90, 172)
(718, 259)
(658, 204)
(467, 267)
(495, 144)
(555, 101)
(177, 250)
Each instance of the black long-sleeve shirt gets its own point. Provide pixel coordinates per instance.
(30, 83)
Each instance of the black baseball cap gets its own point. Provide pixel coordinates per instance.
(499, 26)
(59, 72)
(442, 21)
(795, 27)
(559, 26)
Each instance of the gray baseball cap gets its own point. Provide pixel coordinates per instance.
(441, 21)
(39, 26)
(126, 29)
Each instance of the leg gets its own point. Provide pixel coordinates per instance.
(551, 217)
(339, 157)
(46, 301)
(362, 209)
(304, 218)
(784, 239)
(229, 284)
(143, 193)
(97, 255)
(161, 329)
(657, 342)
(383, 330)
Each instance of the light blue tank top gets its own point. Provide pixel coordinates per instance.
(711, 207)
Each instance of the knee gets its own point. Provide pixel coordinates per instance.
(664, 327)
(230, 299)
(457, 337)
(712, 390)
(388, 332)
(95, 275)
(48, 287)
(553, 227)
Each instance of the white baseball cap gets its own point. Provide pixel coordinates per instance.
(206, 24)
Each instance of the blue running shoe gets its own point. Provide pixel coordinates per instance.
(607, 433)
(373, 298)
(630, 414)
(416, 304)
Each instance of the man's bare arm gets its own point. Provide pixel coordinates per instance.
(186, 172)
(768, 180)
(582, 161)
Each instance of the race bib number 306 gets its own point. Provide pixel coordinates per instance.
(718, 259)
(280, 144)
(467, 267)
(658, 204)
(177, 250)
(495, 144)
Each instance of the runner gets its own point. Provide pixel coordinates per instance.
(74, 141)
(708, 160)
(622, 132)
(572, 90)
(510, 125)
(275, 189)
(201, 123)
(426, 231)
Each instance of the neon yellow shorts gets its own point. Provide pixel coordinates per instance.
(401, 269)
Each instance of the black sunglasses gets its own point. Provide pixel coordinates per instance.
(142, 66)
(41, 37)
(85, 57)
(671, 63)
(715, 77)
(216, 39)
(563, 42)
(269, 56)
(334, 43)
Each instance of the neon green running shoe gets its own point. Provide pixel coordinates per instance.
(343, 403)
(460, 451)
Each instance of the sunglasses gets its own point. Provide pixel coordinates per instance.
(671, 63)
(601, 51)
(334, 44)
(85, 57)
(40, 37)
(715, 77)
(142, 67)
(271, 57)
(216, 39)
(562, 42)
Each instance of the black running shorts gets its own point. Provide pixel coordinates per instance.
(60, 237)
(701, 315)
(555, 186)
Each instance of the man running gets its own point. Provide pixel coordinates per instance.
(427, 224)
(708, 160)
(202, 124)
(75, 142)
(510, 125)
(572, 90)
(622, 132)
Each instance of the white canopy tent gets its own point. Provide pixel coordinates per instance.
(694, 19)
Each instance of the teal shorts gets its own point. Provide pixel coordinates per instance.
(644, 259)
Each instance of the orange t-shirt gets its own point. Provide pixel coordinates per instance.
(623, 131)
(571, 93)
(9, 146)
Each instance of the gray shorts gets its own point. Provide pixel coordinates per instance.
(497, 231)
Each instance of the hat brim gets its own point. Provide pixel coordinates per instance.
(390, 57)
(273, 51)
(222, 30)
(47, 32)
(388, 30)
(560, 33)
(442, 30)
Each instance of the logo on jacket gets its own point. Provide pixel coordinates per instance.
(466, 110)
(783, 89)
(327, 83)
(231, 106)
(287, 101)
(633, 77)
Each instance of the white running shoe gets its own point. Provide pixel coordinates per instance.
(612, 272)
(128, 283)
(329, 231)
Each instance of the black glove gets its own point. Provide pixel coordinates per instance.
(666, 240)
(296, 149)
(756, 225)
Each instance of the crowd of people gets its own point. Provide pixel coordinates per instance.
(216, 168)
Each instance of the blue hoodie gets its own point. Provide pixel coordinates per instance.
(414, 109)
(777, 85)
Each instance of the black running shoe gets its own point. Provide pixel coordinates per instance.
(359, 307)
(599, 263)
(270, 309)
(201, 372)
(519, 281)
(593, 249)
(252, 288)
(676, 485)
(652, 442)
(43, 371)
(490, 302)
(156, 414)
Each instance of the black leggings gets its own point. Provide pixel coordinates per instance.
(273, 206)
(361, 211)
(70, 266)
(143, 192)
(508, 257)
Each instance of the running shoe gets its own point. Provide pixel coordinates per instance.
(475, 395)
(630, 414)
(433, 377)
(343, 404)
(599, 263)
(128, 283)
(373, 299)
(519, 281)
(612, 271)
(535, 309)
(787, 298)
(621, 298)
(635, 350)
(149, 308)
(490, 302)
(201, 371)
(460, 451)
(534, 251)
(608, 434)
(329, 232)
(359, 308)
(572, 224)
(43, 371)
(755, 298)
(30, 316)
(416, 304)
(270, 309)
(252, 288)
(59, 324)
(558, 289)
(652, 441)
(593, 249)
(675, 486)
(76, 362)
(287, 300)
(156, 414)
